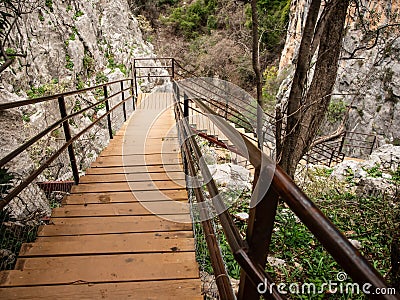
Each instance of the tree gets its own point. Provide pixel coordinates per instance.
(299, 118)
(11, 13)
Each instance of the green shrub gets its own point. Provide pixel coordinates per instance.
(192, 19)
(336, 110)
(101, 78)
(49, 4)
(78, 14)
(69, 63)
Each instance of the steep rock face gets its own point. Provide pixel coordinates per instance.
(69, 45)
(75, 40)
(367, 79)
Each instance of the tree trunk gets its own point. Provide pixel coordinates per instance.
(306, 107)
(257, 71)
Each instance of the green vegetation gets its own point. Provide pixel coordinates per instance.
(51, 88)
(396, 175)
(36, 92)
(273, 19)
(78, 14)
(49, 4)
(41, 17)
(10, 51)
(374, 172)
(101, 78)
(336, 110)
(26, 118)
(5, 181)
(270, 88)
(194, 18)
(300, 256)
(69, 63)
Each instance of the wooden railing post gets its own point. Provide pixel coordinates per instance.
(67, 133)
(108, 109)
(123, 100)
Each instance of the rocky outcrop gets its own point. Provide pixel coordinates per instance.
(375, 176)
(366, 80)
(68, 45)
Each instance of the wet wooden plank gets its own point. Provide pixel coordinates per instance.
(163, 290)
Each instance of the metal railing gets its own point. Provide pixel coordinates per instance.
(251, 253)
(124, 87)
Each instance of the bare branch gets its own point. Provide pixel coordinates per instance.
(366, 47)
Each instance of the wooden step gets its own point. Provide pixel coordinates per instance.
(138, 235)
(122, 209)
(163, 290)
(118, 224)
(107, 244)
(131, 177)
(101, 268)
(128, 196)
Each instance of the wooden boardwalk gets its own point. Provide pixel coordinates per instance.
(125, 231)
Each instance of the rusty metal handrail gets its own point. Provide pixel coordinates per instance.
(238, 245)
(64, 121)
(347, 256)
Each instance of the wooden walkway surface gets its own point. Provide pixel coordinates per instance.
(125, 231)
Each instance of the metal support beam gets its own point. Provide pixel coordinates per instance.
(108, 109)
(123, 100)
(67, 133)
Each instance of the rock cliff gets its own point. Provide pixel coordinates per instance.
(367, 79)
(68, 45)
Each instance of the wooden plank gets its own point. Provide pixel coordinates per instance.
(122, 197)
(122, 209)
(102, 268)
(121, 224)
(132, 177)
(125, 186)
(129, 161)
(138, 236)
(135, 169)
(106, 244)
(164, 290)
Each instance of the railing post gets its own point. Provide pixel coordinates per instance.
(67, 133)
(259, 232)
(373, 145)
(107, 109)
(173, 68)
(133, 95)
(342, 141)
(185, 106)
(135, 77)
(123, 100)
